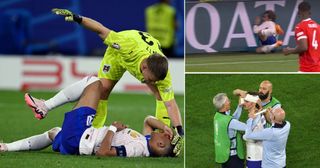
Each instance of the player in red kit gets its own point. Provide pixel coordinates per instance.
(307, 35)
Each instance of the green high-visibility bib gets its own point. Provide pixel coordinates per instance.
(272, 103)
(222, 142)
(160, 21)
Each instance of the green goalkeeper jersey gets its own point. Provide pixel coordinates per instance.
(130, 48)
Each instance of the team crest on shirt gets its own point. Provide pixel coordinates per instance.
(116, 46)
(106, 68)
(134, 134)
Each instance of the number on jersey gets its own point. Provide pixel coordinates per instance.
(89, 120)
(144, 37)
(314, 40)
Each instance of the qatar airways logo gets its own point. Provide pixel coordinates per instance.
(240, 15)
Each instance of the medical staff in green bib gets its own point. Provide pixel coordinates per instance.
(229, 151)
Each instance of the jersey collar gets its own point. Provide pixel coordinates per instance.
(148, 137)
(225, 112)
(306, 19)
(275, 125)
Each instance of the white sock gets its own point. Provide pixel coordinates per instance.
(54, 132)
(268, 48)
(268, 32)
(70, 93)
(36, 142)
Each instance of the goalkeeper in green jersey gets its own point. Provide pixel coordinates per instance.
(134, 51)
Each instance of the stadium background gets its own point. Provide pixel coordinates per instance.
(29, 27)
(219, 35)
(298, 94)
(41, 53)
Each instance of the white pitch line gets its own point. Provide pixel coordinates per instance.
(240, 62)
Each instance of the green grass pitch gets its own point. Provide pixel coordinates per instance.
(241, 62)
(299, 95)
(17, 121)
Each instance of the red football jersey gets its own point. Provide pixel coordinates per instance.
(309, 60)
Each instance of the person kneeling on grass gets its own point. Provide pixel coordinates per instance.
(77, 136)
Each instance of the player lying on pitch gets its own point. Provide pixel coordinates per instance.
(77, 136)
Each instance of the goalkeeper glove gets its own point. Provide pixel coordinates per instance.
(68, 15)
(177, 142)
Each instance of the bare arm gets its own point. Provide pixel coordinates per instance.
(95, 26)
(171, 106)
(267, 116)
(239, 92)
(258, 28)
(106, 149)
(151, 123)
(302, 46)
(173, 112)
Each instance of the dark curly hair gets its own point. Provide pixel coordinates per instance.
(271, 15)
(304, 7)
